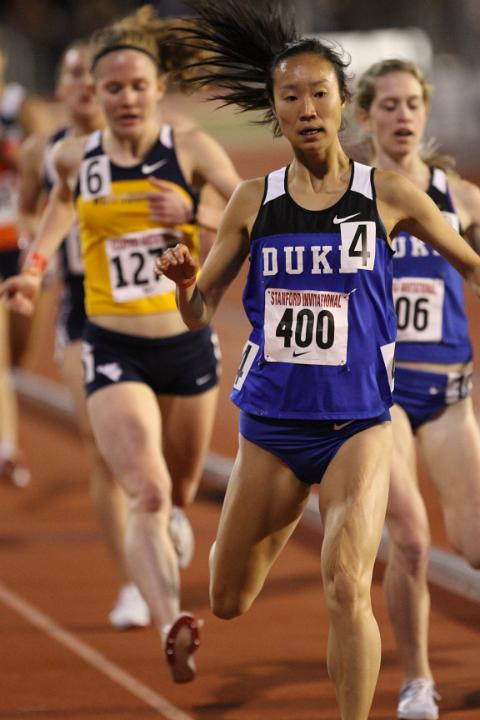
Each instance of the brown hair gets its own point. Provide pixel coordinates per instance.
(366, 91)
(146, 32)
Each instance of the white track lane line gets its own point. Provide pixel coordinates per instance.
(91, 656)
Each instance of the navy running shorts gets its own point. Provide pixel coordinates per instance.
(186, 364)
(9, 263)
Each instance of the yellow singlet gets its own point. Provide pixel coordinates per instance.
(119, 240)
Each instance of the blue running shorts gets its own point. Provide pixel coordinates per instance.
(424, 395)
(306, 446)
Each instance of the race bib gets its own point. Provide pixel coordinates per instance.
(307, 327)
(249, 354)
(131, 261)
(419, 308)
(95, 177)
(459, 386)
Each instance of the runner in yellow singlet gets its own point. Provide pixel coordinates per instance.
(151, 383)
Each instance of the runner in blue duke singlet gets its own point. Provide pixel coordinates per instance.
(314, 380)
(433, 410)
(431, 319)
(319, 286)
(318, 292)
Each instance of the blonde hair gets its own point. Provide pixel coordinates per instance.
(146, 32)
(366, 91)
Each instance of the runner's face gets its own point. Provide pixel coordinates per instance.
(307, 101)
(397, 115)
(129, 89)
(75, 85)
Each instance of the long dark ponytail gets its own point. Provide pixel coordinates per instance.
(241, 45)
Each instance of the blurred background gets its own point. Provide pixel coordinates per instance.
(443, 36)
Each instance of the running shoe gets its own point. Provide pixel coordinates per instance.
(181, 534)
(14, 471)
(130, 610)
(418, 700)
(181, 640)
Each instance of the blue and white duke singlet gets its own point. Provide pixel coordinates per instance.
(319, 299)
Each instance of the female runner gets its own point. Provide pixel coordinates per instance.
(314, 382)
(433, 408)
(151, 383)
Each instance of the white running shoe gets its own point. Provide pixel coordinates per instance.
(181, 534)
(14, 471)
(418, 700)
(130, 610)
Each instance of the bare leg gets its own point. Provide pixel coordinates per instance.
(262, 506)
(405, 582)
(8, 402)
(353, 499)
(109, 499)
(187, 431)
(126, 425)
(450, 447)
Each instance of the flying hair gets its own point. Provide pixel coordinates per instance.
(241, 45)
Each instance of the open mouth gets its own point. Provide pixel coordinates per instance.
(307, 132)
(403, 132)
(127, 118)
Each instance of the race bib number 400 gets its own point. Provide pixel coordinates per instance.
(131, 261)
(306, 327)
(419, 308)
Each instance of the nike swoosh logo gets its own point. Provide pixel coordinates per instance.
(297, 354)
(204, 379)
(147, 169)
(339, 426)
(337, 220)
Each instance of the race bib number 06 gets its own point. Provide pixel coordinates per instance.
(419, 309)
(306, 327)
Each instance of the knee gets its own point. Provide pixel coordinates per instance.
(411, 552)
(473, 559)
(347, 593)
(227, 604)
(184, 491)
(464, 535)
(148, 498)
(471, 553)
